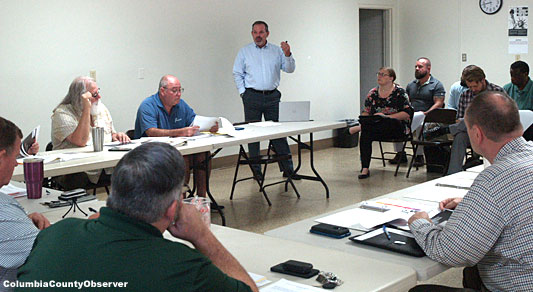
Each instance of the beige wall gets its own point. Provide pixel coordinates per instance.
(45, 44)
(443, 30)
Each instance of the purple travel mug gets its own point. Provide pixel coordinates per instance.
(33, 175)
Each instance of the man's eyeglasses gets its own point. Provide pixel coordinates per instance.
(382, 74)
(176, 90)
(95, 95)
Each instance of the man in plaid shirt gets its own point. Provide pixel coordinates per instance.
(490, 230)
(476, 82)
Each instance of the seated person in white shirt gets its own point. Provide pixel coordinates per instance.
(72, 120)
(17, 229)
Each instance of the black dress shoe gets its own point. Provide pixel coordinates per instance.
(292, 175)
(435, 132)
(400, 157)
(363, 176)
(419, 161)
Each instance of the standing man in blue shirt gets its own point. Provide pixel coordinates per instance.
(166, 114)
(257, 73)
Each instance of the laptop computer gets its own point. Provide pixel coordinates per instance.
(294, 111)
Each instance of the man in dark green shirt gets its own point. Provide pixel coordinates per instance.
(521, 87)
(124, 247)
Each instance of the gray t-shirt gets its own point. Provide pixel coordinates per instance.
(421, 96)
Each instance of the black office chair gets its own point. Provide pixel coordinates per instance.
(443, 117)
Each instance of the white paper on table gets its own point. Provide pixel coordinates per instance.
(226, 128)
(12, 191)
(289, 286)
(266, 124)
(437, 194)
(463, 182)
(362, 219)
(205, 123)
(259, 279)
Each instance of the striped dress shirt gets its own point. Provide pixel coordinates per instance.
(493, 225)
(17, 233)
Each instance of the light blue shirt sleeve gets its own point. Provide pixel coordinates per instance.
(259, 68)
(17, 233)
(455, 93)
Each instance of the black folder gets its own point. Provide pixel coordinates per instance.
(400, 241)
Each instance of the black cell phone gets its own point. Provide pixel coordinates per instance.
(295, 268)
(330, 230)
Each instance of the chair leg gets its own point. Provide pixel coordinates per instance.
(382, 155)
(106, 190)
(412, 160)
(398, 165)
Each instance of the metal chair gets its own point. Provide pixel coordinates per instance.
(441, 116)
(269, 158)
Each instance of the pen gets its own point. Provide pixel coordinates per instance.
(452, 186)
(92, 210)
(386, 232)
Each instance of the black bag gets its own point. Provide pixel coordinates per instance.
(436, 158)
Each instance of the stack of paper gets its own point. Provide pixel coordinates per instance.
(374, 213)
(12, 191)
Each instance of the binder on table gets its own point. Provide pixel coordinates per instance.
(400, 241)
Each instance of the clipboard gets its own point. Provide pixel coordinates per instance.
(401, 241)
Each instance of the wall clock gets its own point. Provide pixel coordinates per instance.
(490, 6)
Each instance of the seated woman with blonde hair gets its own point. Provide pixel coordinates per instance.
(386, 115)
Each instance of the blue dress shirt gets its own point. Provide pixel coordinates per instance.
(259, 68)
(152, 114)
(455, 93)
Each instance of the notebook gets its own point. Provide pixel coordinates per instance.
(294, 111)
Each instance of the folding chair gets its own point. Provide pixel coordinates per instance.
(439, 115)
(269, 158)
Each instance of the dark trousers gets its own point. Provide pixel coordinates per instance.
(471, 283)
(81, 180)
(386, 128)
(255, 106)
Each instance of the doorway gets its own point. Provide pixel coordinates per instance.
(374, 47)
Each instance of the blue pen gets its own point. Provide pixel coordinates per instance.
(386, 232)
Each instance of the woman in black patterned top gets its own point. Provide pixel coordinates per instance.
(387, 100)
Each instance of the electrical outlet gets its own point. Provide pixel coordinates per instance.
(140, 73)
(517, 57)
(463, 57)
(92, 74)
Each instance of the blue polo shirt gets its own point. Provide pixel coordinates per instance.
(152, 114)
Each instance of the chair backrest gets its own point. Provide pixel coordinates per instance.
(130, 134)
(442, 116)
(49, 146)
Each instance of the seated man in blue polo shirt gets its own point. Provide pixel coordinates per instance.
(165, 114)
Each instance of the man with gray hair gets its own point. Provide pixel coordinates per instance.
(126, 244)
(72, 120)
(491, 227)
(17, 229)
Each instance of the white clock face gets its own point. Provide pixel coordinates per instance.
(490, 6)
